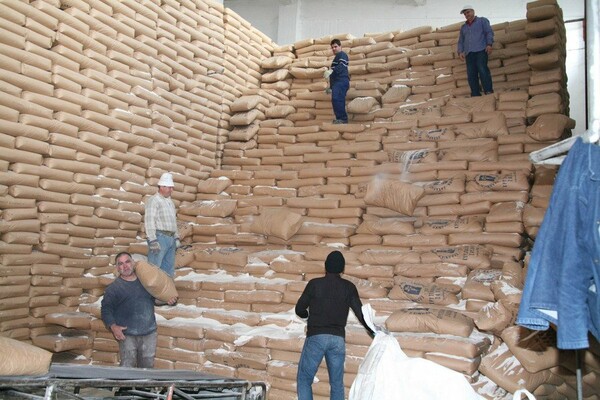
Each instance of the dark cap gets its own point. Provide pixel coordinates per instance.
(335, 262)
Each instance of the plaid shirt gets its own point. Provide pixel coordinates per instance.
(160, 215)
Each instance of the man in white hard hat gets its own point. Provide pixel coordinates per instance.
(161, 226)
(475, 45)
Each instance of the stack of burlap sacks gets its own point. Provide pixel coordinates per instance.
(461, 243)
(266, 187)
(98, 100)
(550, 372)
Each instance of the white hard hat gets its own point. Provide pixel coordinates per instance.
(166, 179)
(465, 8)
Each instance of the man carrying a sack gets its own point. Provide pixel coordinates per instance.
(128, 312)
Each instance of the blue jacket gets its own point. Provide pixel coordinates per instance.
(475, 37)
(564, 271)
(339, 65)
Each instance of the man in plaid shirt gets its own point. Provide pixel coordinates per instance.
(161, 226)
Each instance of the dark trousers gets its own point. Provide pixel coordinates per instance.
(477, 69)
(338, 99)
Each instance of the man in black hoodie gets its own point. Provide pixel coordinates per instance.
(326, 302)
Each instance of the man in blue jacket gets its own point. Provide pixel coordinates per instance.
(326, 303)
(127, 310)
(475, 45)
(339, 82)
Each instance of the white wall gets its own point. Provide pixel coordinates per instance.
(288, 21)
(317, 18)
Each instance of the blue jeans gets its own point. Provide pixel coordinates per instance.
(165, 258)
(338, 99)
(333, 348)
(477, 68)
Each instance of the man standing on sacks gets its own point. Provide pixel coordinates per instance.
(475, 46)
(161, 226)
(339, 82)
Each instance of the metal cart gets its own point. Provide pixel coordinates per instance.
(90, 382)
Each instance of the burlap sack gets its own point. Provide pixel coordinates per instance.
(65, 342)
(495, 317)
(209, 208)
(307, 73)
(278, 222)
(395, 195)
(440, 321)
(535, 350)
(214, 185)
(432, 226)
(491, 128)
(510, 211)
(362, 105)
(388, 257)
(512, 181)
(448, 185)
(19, 358)
(533, 216)
(276, 76)
(512, 272)
(473, 256)
(540, 11)
(184, 256)
(244, 133)
(367, 289)
(478, 284)
(246, 118)
(470, 105)
(413, 113)
(506, 291)
(413, 270)
(74, 319)
(279, 111)
(224, 255)
(185, 229)
(276, 62)
(504, 369)
(411, 157)
(550, 127)
(396, 94)
(247, 103)
(487, 152)
(422, 293)
(160, 285)
(431, 135)
(386, 226)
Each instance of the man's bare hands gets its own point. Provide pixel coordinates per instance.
(172, 301)
(117, 331)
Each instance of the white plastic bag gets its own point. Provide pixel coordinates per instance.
(518, 394)
(387, 373)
